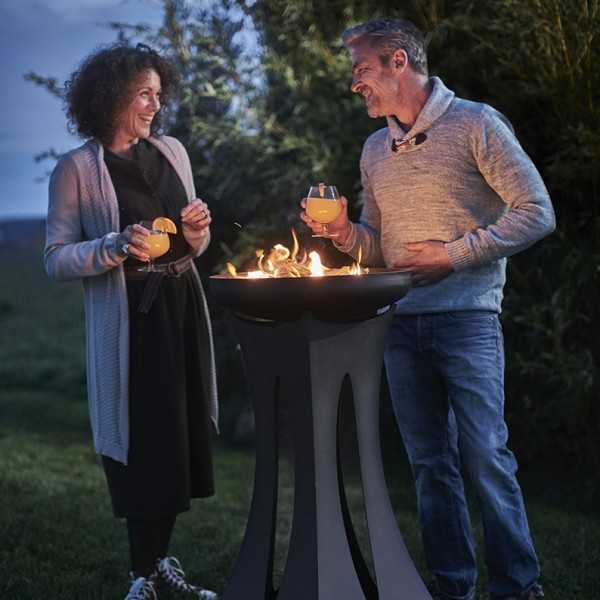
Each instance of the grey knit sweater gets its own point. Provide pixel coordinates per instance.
(460, 177)
(81, 235)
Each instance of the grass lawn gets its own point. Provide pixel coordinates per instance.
(58, 536)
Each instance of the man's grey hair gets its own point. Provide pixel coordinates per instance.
(389, 35)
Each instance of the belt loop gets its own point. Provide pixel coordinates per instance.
(172, 269)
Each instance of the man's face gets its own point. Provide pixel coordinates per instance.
(378, 84)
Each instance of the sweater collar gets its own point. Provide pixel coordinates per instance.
(97, 150)
(438, 102)
(169, 153)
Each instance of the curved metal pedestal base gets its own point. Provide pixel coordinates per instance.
(302, 364)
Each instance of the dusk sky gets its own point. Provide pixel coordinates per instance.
(49, 37)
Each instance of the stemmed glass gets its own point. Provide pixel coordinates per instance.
(159, 244)
(323, 205)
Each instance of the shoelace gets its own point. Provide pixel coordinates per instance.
(142, 589)
(170, 570)
(536, 591)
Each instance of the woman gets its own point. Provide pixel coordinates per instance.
(150, 364)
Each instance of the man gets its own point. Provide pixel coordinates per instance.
(448, 194)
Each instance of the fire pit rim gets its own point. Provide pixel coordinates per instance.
(328, 297)
(372, 271)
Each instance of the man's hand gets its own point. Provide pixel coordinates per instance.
(427, 262)
(339, 229)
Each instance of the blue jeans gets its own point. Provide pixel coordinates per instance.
(446, 378)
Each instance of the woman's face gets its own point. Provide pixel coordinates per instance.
(135, 119)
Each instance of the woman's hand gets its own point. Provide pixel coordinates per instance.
(195, 220)
(132, 240)
(339, 229)
(195, 215)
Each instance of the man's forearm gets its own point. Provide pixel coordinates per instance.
(364, 240)
(515, 231)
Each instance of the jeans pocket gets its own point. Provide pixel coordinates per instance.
(474, 335)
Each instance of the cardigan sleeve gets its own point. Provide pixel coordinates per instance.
(67, 254)
(198, 240)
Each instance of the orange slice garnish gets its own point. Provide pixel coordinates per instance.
(164, 224)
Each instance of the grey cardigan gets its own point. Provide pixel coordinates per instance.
(81, 236)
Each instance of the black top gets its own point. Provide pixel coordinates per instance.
(170, 458)
(148, 187)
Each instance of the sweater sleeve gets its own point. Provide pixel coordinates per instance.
(198, 240)
(509, 171)
(67, 254)
(365, 235)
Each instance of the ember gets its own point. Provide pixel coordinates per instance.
(281, 262)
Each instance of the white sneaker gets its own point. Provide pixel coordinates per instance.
(170, 571)
(142, 589)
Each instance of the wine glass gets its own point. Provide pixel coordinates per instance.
(323, 205)
(159, 244)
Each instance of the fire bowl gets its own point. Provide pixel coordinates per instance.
(329, 298)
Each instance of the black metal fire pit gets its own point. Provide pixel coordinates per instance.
(298, 361)
(332, 297)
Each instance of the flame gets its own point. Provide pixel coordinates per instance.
(356, 269)
(296, 246)
(280, 262)
(316, 266)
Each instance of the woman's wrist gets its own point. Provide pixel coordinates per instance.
(120, 246)
(116, 244)
(196, 238)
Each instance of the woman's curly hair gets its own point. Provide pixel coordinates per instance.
(102, 86)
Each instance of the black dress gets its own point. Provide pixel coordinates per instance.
(170, 458)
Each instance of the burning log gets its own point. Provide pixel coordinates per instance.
(283, 262)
